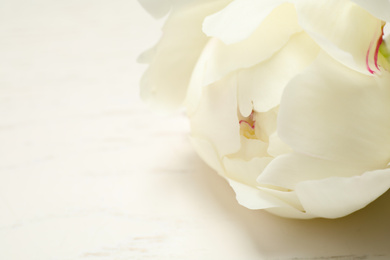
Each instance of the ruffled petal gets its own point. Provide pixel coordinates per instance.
(261, 87)
(245, 172)
(344, 30)
(288, 170)
(290, 213)
(290, 197)
(253, 198)
(157, 8)
(250, 148)
(254, 49)
(378, 8)
(239, 19)
(197, 82)
(276, 146)
(207, 152)
(216, 118)
(164, 84)
(334, 113)
(266, 123)
(337, 197)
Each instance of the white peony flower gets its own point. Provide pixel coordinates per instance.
(288, 100)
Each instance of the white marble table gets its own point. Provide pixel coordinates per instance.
(88, 172)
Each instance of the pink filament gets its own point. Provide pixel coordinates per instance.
(378, 44)
(246, 122)
(367, 62)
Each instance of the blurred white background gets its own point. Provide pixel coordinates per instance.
(88, 172)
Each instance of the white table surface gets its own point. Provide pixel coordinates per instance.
(88, 172)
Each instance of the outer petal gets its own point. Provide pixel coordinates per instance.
(216, 118)
(165, 82)
(337, 114)
(254, 49)
(156, 8)
(218, 60)
(337, 197)
(263, 84)
(250, 148)
(207, 152)
(159, 8)
(254, 198)
(290, 213)
(289, 197)
(276, 146)
(245, 172)
(378, 8)
(350, 34)
(288, 170)
(239, 19)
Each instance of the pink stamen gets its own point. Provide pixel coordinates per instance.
(378, 44)
(367, 59)
(246, 122)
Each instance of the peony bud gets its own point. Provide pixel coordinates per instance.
(288, 100)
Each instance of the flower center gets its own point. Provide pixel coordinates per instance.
(379, 53)
(247, 126)
(384, 55)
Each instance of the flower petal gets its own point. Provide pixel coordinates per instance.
(216, 118)
(164, 84)
(239, 19)
(263, 84)
(378, 8)
(159, 8)
(253, 198)
(250, 148)
(337, 114)
(254, 49)
(276, 146)
(218, 60)
(349, 34)
(288, 170)
(156, 8)
(207, 152)
(290, 213)
(289, 197)
(245, 172)
(337, 197)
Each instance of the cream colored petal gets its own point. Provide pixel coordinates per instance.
(271, 35)
(344, 30)
(239, 19)
(263, 84)
(266, 123)
(337, 197)
(244, 171)
(254, 198)
(157, 8)
(207, 152)
(276, 146)
(216, 118)
(164, 84)
(288, 170)
(218, 60)
(290, 213)
(378, 8)
(337, 114)
(197, 81)
(290, 197)
(250, 148)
